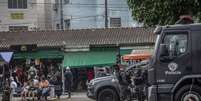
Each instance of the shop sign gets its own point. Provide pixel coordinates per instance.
(17, 16)
(23, 48)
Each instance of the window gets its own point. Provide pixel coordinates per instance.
(115, 22)
(176, 44)
(66, 1)
(58, 26)
(56, 6)
(67, 23)
(17, 4)
(18, 28)
(56, 1)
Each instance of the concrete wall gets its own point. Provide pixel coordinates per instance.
(116, 9)
(34, 16)
(86, 14)
(83, 16)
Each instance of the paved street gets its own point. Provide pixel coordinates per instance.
(75, 97)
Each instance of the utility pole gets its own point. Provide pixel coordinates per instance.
(61, 15)
(106, 15)
(118, 55)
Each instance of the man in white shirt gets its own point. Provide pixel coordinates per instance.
(13, 86)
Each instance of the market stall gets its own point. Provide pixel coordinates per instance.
(135, 57)
(5, 58)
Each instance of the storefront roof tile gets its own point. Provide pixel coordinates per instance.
(75, 38)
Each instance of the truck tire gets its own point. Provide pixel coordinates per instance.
(184, 93)
(107, 95)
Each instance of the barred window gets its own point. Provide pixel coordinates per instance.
(115, 22)
(67, 23)
(18, 28)
(66, 1)
(17, 4)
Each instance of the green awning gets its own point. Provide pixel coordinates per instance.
(92, 58)
(125, 51)
(39, 55)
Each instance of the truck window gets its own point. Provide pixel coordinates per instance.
(176, 43)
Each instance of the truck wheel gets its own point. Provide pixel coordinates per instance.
(107, 95)
(184, 93)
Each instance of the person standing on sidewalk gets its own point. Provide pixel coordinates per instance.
(68, 81)
(13, 86)
(58, 84)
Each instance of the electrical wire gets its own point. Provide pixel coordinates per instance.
(76, 4)
(112, 7)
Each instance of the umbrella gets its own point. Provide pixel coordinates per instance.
(139, 56)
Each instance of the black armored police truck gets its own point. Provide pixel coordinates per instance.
(173, 72)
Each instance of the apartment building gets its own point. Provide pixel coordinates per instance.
(84, 14)
(26, 15)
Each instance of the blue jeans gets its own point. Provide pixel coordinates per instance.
(45, 91)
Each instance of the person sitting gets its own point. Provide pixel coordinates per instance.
(44, 88)
(32, 72)
(25, 91)
(34, 87)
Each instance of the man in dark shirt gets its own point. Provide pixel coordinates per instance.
(68, 80)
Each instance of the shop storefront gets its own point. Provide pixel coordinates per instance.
(41, 54)
(45, 62)
(91, 58)
(5, 58)
(40, 48)
(83, 63)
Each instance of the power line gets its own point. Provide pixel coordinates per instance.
(56, 20)
(39, 24)
(81, 17)
(61, 15)
(106, 14)
(68, 3)
(78, 4)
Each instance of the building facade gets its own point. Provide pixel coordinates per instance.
(85, 14)
(23, 15)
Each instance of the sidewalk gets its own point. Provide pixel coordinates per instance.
(63, 97)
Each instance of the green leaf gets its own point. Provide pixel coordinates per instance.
(153, 12)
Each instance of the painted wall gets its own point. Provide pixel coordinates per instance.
(85, 14)
(34, 15)
(116, 9)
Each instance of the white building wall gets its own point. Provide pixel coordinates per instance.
(116, 9)
(81, 16)
(86, 14)
(49, 14)
(34, 16)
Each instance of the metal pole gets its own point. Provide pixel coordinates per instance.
(61, 15)
(63, 81)
(3, 77)
(118, 55)
(106, 14)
